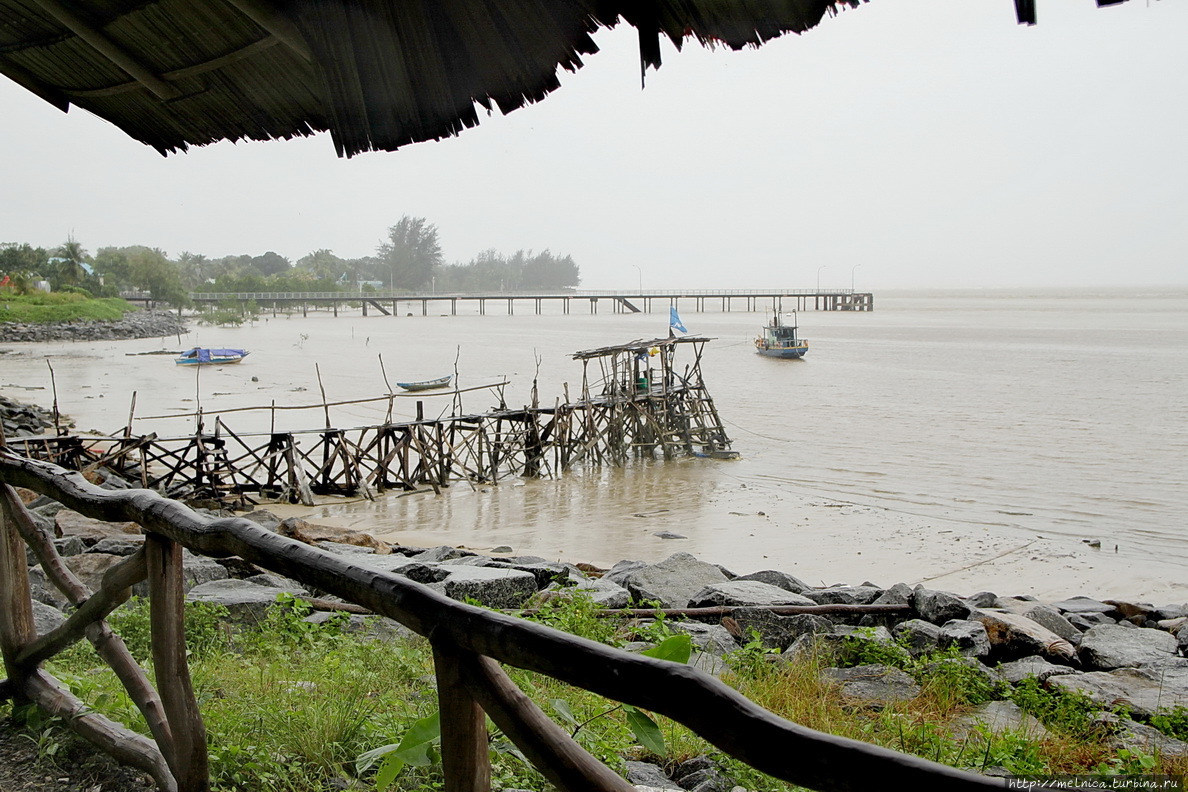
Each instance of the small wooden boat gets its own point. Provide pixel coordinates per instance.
(779, 340)
(201, 356)
(440, 382)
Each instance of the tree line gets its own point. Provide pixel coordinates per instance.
(409, 258)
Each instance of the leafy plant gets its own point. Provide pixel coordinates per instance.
(1067, 711)
(418, 747)
(1172, 722)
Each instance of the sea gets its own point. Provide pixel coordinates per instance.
(997, 417)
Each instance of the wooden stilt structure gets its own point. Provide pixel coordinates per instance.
(636, 402)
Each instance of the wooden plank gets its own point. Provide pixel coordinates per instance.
(464, 753)
(188, 758)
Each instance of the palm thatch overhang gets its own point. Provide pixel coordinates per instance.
(376, 74)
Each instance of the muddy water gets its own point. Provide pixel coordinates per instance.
(994, 431)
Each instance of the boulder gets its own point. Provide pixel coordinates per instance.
(709, 638)
(603, 592)
(442, 553)
(778, 579)
(493, 588)
(46, 618)
(745, 593)
(646, 774)
(874, 686)
(312, 534)
(844, 595)
(1143, 691)
(1047, 616)
(939, 607)
(1110, 646)
(775, 631)
(1034, 666)
(89, 568)
(1013, 636)
(71, 523)
(969, 637)
(1083, 606)
(121, 546)
(998, 717)
(673, 581)
(919, 636)
(246, 603)
(1135, 736)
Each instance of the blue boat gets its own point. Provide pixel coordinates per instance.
(201, 356)
(440, 382)
(779, 340)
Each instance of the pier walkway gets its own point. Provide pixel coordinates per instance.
(701, 300)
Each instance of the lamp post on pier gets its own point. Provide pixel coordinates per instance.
(856, 266)
(823, 266)
(637, 269)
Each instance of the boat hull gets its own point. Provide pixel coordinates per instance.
(786, 353)
(211, 357)
(440, 382)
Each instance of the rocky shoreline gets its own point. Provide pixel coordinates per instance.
(1127, 657)
(24, 420)
(138, 324)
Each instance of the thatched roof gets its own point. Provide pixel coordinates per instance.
(377, 74)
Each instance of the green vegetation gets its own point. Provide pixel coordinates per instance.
(60, 307)
(409, 258)
(294, 706)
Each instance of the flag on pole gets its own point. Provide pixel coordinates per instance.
(674, 321)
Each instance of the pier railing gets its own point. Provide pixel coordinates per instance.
(469, 644)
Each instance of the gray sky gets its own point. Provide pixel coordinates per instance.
(907, 143)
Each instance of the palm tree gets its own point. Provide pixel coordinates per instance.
(70, 270)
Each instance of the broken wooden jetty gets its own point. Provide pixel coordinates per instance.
(635, 402)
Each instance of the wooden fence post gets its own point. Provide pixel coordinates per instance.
(16, 604)
(188, 758)
(464, 757)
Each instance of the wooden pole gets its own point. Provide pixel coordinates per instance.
(464, 757)
(188, 759)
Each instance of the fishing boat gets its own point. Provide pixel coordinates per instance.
(779, 339)
(440, 382)
(201, 356)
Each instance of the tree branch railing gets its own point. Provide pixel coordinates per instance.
(469, 644)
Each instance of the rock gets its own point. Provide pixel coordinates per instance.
(919, 636)
(939, 607)
(1147, 739)
(264, 519)
(1047, 616)
(340, 548)
(493, 588)
(118, 546)
(844, 595)
(1083, 606)
(745, 593)
(1084, 621)
(71, 523)
(90, 567)
(648, 775)
(1109, 646)
(709, 638)
(1141, 690)
(377, 628)
(604, 593)
(442, 553)
(246, 602)
(138, 324)
(969, 637)
(312, 534)
(998, 717)
(1013, 636)
(45, 592)
(623, 570)
(778, 579)
(709, 779)
(673, 581)
(46, 618)
(983, 599)
(775, 631)
(873, 685)
(1034, 666)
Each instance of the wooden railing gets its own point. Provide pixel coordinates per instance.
(469, 644)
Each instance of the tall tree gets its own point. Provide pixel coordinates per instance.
(271, 263)
(69, 270)
(323, 264)
(411, 253)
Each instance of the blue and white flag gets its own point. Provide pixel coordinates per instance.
(674, 321)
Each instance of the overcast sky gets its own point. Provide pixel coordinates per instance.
(907, 143)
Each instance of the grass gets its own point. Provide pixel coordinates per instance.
(44, 308)
(291, 707)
